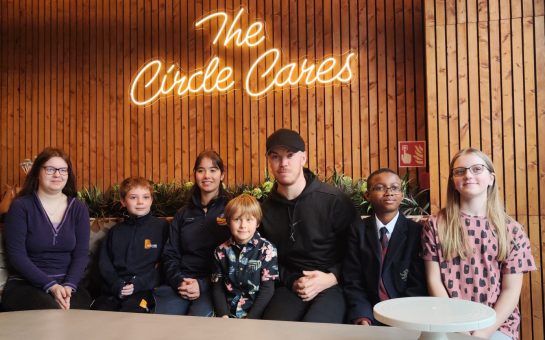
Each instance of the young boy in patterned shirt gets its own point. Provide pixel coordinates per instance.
(245, 266)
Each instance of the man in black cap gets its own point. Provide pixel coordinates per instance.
(307, 220)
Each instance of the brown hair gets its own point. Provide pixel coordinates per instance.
(217, 161)
(133, 182)
(32, 180)
(242, 205)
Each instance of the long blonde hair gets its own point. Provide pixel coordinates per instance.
(452, 234)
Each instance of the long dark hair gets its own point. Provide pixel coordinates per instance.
(32, 180)
(218, 162)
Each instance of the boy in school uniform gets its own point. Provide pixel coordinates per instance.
(246, 265)
(382, 260)
(130, 254)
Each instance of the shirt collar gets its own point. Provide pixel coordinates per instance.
(390, 225)
(253, 241)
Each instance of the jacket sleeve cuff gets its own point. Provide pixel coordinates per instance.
(71, 285)
(117, 286)
(336, 270)
(48, 286)
(175, 281)
(288, 281)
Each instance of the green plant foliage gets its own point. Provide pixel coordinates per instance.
(171, 196)
(94, 198)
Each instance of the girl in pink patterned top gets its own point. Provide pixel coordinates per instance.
(473, 250)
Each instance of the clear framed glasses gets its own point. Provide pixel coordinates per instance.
(475, 169)
(50, 170)
(395, 189)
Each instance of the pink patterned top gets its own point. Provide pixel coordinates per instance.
(478, 277)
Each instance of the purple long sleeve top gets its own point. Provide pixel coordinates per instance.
(44, 255)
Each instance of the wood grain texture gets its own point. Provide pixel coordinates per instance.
(498, 48)
(65, 83)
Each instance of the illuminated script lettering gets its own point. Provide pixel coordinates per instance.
(214, 77)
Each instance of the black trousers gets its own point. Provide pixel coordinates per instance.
(21, 295)
(132, 303)
(328, 306)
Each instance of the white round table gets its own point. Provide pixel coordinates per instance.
(434, 316)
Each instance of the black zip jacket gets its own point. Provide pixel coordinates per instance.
(309, 231)
(193, 237)
(131, 253)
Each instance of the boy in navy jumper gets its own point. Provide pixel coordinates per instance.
(382, 259)
(129, 257)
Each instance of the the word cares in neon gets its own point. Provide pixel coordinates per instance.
(217, 78)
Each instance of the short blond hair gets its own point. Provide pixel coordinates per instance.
(242, 205)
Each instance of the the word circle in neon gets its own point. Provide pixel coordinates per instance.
(173, 81)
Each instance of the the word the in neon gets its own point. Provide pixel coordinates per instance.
(307, 74)
(173, 82)
(254, 35)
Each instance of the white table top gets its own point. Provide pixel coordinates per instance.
(434, 314)
(87, 325)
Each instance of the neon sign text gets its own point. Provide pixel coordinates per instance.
(217, 78)
(288, 75)
(255, 30)
(174, 82)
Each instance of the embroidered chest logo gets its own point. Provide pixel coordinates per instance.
(149, 245)
(404, 274)
(220, 220)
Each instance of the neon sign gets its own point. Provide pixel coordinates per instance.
(217, 78)
(255, 30)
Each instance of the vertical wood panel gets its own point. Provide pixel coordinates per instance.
(373, 84)
(363, 86)
(18, 114)
(462, 80)
(320, 93)
(65, 83)
(401, 109)
(501, 109)
(4, 34)
(310, 44)
(355, 124)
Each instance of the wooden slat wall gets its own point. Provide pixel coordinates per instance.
(485, 63)
(66, 68)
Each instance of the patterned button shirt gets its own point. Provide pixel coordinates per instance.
(242, 268)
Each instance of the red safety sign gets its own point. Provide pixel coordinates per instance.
(412, 154)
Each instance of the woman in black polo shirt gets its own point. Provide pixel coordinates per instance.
(196, 230)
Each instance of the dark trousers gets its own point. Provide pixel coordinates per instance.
(132, 303)
(328, 306)
(21, 295)
(167, 301)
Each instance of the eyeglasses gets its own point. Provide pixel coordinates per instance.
(475, 169)
(51, 170)
(395, 189)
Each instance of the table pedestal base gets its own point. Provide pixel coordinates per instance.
(433, 336)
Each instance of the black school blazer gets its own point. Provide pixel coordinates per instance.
(403, 271)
